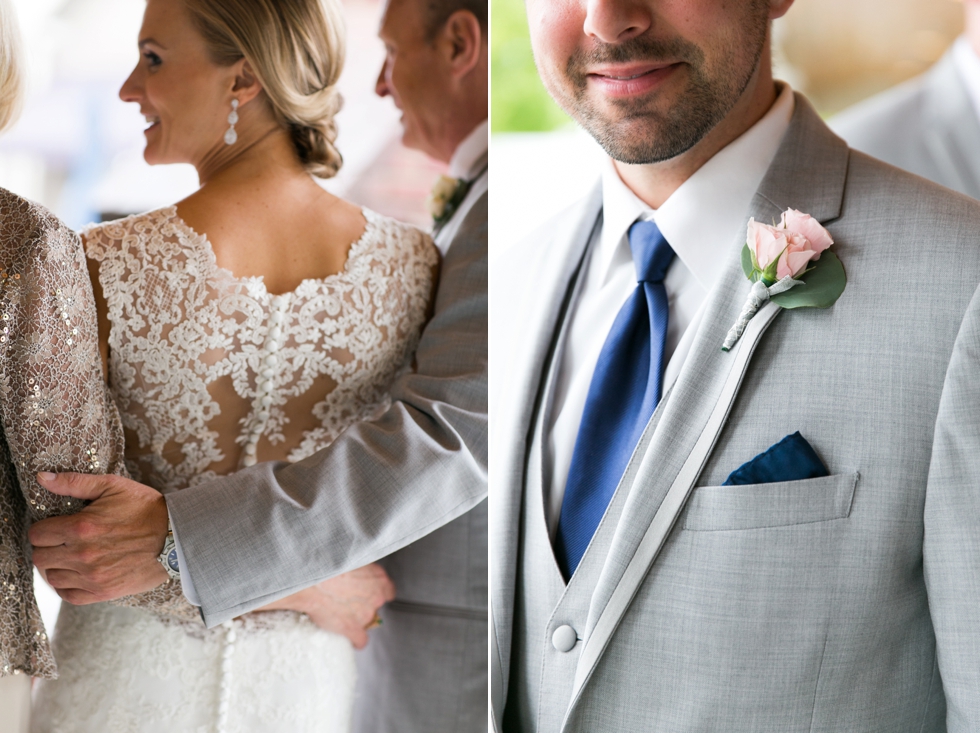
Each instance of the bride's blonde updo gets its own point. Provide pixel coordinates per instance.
(296, 49)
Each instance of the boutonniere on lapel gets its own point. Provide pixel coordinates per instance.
(446, 196)
(789, 264)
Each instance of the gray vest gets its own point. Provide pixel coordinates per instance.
(548, 615)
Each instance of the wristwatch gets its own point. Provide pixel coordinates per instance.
(168, 558)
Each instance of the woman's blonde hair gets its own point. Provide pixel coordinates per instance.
(11, 79)
(296, 49)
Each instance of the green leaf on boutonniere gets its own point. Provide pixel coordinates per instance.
(822, 283)
(749, 266)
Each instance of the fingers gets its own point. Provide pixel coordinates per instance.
(57, 556)
(78, 597)
(64, 571)
(358, 638)
(58, 530)
(385, 585)
(79, 485)
(387, 590)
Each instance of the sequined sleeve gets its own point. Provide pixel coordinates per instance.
(55, 410)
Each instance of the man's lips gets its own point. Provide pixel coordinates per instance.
(628, 80)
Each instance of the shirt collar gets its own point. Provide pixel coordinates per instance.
(702, 217)
(968, 67)
(470, 152)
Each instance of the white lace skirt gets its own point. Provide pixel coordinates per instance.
(123, 669)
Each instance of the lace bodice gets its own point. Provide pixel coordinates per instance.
(212, 372)
(55, 411)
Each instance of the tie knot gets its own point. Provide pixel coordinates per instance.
(652, 254)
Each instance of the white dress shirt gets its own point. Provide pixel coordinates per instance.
(700, 221)
(968, 65)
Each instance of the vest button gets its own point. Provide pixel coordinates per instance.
(564, 638)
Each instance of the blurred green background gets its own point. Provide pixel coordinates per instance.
(519, 102)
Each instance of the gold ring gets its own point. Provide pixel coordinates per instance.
(375, 623)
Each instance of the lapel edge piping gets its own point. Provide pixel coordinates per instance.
(666, 516)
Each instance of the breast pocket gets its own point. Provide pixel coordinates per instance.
(755, 506)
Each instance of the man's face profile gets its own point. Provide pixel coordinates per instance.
(648, 80)
(413, 74)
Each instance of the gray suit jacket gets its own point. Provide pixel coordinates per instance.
(844, 603)
(425, 669)
(927, 125)
(415, 475)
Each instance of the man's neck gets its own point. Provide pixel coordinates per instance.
(469, 150)
(654, 183)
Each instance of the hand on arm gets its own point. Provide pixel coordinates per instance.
(345, 604)
(107, 550)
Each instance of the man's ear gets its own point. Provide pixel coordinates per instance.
(463, 42)
(247, 86)
(779, 8)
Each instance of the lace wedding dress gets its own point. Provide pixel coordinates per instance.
(212, 373)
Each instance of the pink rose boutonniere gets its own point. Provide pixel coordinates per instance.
(790, 264)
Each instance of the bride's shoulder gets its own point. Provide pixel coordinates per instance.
(120, 235)
(399, 236)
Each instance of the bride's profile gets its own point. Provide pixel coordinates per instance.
(253, 321)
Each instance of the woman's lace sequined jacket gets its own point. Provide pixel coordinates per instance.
(55, 410)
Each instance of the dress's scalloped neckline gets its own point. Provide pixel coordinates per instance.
(258, 281)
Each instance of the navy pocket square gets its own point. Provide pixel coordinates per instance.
(791, 459)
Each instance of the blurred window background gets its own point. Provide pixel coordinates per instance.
(836, 52)
(78, 149)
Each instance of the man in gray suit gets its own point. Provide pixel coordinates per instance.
(408, 488)
(929, 125)
(841, 600)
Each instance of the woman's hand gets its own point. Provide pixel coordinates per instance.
(346, 604)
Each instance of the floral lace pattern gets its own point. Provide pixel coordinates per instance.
(212, 372)
(55, 411)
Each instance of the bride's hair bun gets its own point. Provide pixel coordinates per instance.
(296, 49)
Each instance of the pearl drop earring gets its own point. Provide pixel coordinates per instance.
(231, 137)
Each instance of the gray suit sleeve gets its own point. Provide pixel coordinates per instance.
(265, 532)
(951, 543)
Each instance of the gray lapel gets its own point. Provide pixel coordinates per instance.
(808, 174)
(543, 283)
(951, 128)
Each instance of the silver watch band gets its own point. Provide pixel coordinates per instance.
(168, 558)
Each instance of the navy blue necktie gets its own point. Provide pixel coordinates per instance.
(623, 394)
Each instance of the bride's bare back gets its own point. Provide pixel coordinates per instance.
(266, 217)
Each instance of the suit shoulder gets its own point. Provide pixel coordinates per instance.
(539, 240)
(904, 195)
(902, 226)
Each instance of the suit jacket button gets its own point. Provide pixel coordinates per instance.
(564, 638)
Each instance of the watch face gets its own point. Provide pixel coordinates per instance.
(172, 560)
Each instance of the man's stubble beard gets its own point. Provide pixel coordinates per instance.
(705, 102)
